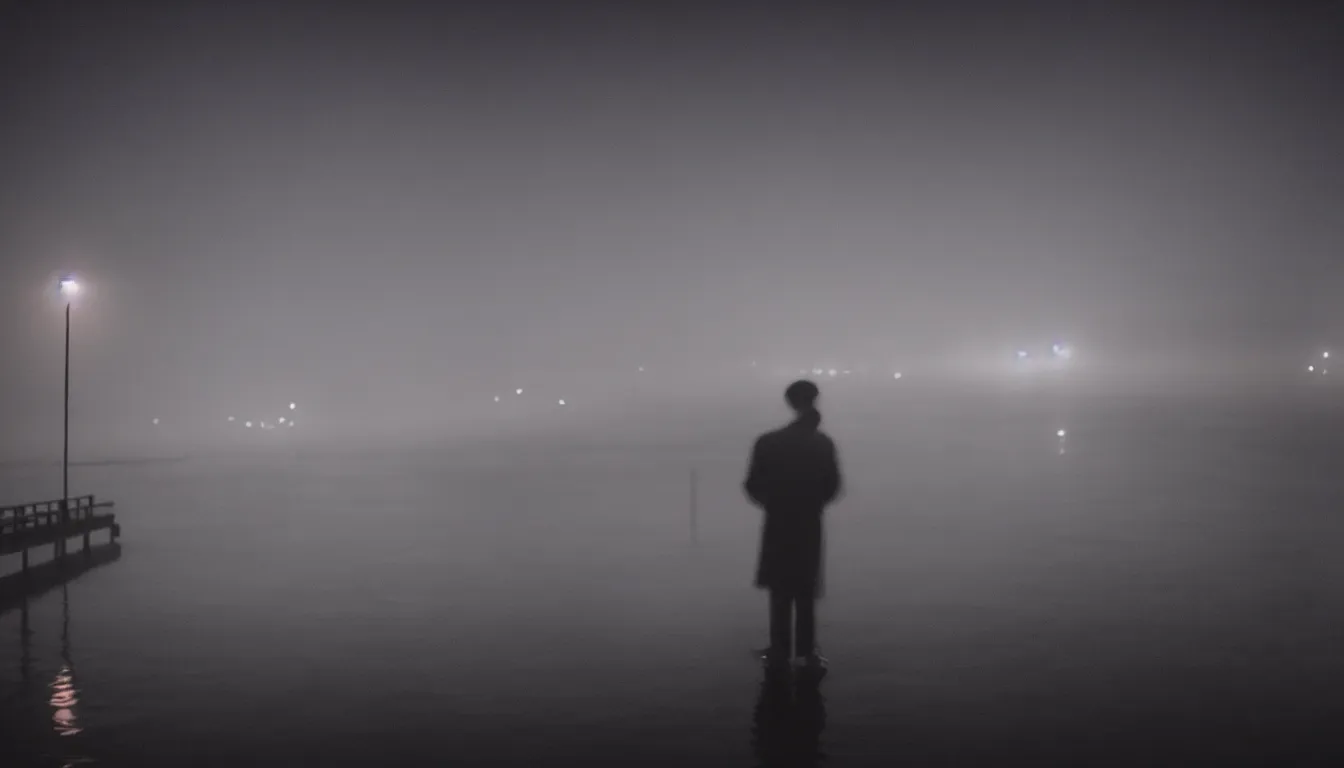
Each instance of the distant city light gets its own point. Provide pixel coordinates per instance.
(846, 372)
(290, 424)
(69, 286)
(247, 424)
(831, 372)
(896, 375)
(518, 391)
(641, 369)
(817, 371)
(496, 398)
(156, 421)
(1021, 354)
(562, 402)
(1325, 355)
(282, 419)
(1061, 433)
(292, 406)
(1311, 368)
(230, 418)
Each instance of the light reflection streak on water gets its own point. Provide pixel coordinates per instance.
(64, 697)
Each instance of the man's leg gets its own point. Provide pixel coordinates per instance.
(781, 629)
(806, 611)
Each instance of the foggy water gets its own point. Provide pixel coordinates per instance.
(1163, 585)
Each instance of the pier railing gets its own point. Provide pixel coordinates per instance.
(25, 526)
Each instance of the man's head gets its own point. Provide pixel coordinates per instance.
(802, 396)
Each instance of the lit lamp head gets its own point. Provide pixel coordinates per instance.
(69, 287)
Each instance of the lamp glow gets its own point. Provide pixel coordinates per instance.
(70, 287)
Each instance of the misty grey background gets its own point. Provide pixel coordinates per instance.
(394, 212)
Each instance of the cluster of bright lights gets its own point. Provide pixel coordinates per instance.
(1322, 368)
(283, 421)
(518, 392)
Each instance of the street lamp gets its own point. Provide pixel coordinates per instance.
(69, 288)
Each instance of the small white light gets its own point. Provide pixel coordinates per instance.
(282, 419)
(248, 424)
(69, 286)
(156, 421)
(817, 371)
(641, 369)
(562, 402)
(846, 372)
(1061, 433)
(230, 418)
(896, 375)
(1311, 368)
(290, 424)
(1325, 355)
(518, 391)
(1021, 354)
(496, 398)
(292, 406)
(831, 372)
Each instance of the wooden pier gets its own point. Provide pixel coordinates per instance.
(27, 526)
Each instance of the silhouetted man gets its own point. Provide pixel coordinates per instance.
(794, 473)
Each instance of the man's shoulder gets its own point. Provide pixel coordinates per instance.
(766, 439)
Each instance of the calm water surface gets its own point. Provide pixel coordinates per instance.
(1162, 587)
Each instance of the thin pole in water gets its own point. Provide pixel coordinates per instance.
(695, 507)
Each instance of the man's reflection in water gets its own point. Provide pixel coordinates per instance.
(790, 716)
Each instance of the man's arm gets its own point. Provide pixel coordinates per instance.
(755, 484)
(833, 480)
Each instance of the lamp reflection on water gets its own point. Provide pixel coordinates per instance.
(64, 697)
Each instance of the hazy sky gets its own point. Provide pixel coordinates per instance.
(386, 204)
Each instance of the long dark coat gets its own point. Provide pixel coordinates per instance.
(793, 474)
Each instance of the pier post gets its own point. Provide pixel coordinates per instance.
(87, 511)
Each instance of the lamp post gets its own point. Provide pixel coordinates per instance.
(69, 288)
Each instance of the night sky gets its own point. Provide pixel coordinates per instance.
(394, 207)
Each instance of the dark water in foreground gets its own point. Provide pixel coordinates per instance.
(1167, 590)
